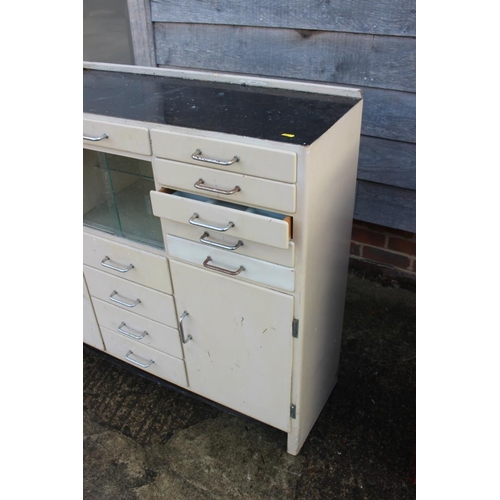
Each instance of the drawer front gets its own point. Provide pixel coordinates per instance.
(246, 268)
(150, 360)
(139, 299)
(258, 161)
(284, 257)
(138, 328)
(252, 190)
(122, 137)
(240, 224)
(148, 269)
(91, 331)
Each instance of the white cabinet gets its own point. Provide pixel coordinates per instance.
(217, 214)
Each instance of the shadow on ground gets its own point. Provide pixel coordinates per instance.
(144, 441)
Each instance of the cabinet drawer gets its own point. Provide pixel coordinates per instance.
(148, 269)
(141, 300)
(253, 160)
(252, 191)
(130, 325)
(282, 256)
(247, 268)
(155, 362)
(231, 221)
(122, 137)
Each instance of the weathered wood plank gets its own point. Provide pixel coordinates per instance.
(387, 162)
(355, 59)
(386, 17)
(389, 114)
(385, 205)
(141, 28)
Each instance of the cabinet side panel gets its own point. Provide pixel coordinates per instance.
(91, 331)
(327, 190)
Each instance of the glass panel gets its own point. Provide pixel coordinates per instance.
(99, 210)
(132, 181)
(116, 197)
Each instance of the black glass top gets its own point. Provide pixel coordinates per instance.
(272, 114)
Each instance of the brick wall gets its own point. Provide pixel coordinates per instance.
(390, 251)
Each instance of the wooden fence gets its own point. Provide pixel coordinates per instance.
(369, 45)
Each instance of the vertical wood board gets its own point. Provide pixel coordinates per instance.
(141, 28)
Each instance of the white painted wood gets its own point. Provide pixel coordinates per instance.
(249, 226)
(122, 137)
(257, 161)
(240, 354)
(122, 241)
(253, 191)
(258, 271)
(159, 336)
(163, 366)
(91, 332)
(149, 269)
(153, 304)
(323, 236)
(284, 257)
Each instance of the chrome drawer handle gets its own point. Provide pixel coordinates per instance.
(219, 245)
(129, 334)
(221, 269)
(138, 363)
(184, 339)
(90, 138)
(118, 301)
(200, 184)
(197, 156)
(194, 222)
(119, 269)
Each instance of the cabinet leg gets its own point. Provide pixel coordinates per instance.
(294, 444)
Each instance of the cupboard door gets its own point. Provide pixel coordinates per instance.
(240, 351)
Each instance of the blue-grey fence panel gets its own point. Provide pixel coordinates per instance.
(345, 58)
(387, 162)
(386, 17)
(385, 205)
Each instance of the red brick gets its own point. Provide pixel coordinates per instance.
(355, 249)
(363, 235)
(404, 246)
(385, 230)
(385, 257)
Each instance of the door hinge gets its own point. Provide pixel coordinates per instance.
(295, 328)
(293, 411)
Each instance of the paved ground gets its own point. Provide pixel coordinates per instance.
(143, 441)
